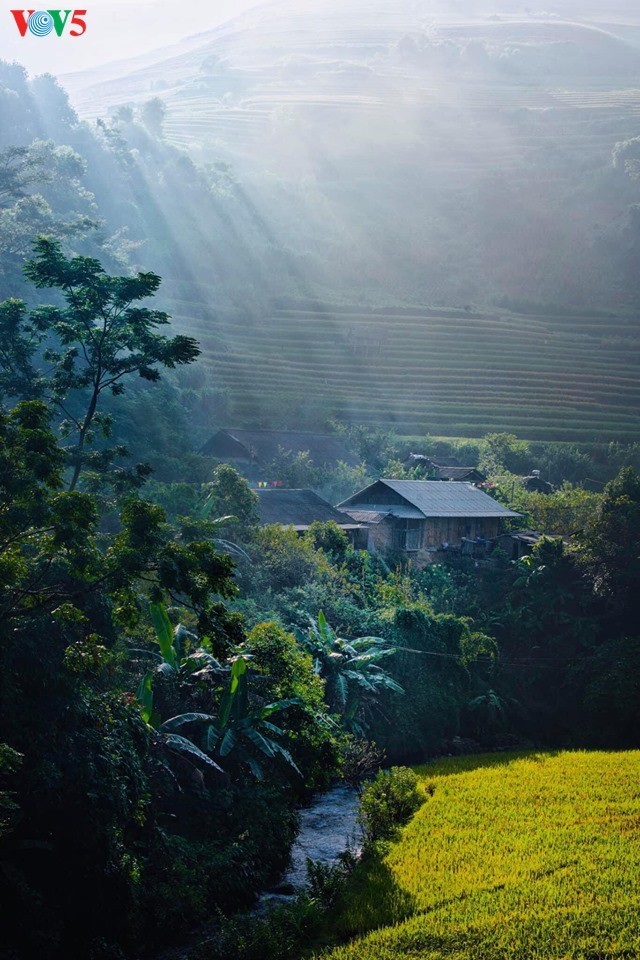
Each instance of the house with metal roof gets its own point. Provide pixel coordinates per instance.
(300, 508)
(421, 517)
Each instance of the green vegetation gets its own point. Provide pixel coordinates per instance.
(523, 857)
(176, 680)
(352, 672)
(388, 803)
(149, 775)
(196, 700)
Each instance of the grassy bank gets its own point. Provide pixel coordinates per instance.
(534, 856)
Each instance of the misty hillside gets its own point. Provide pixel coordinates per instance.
(386, 146)
(447, 156)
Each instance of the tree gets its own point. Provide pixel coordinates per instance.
(294, 470)
(229, 494)
(76, 762)
(242, 729)
(503, 452)
(609, 549)
(283, 670)
(351, 670)
(330, 538)
(123, 113)
(19, 169)
(239, 727)
(152, 115)
(92, 344)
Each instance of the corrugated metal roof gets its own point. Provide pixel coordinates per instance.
(368, 516)
(436, 499)
(403, 511)
(297, 508)
(433, 498)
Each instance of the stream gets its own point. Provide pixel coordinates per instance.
(327, 827)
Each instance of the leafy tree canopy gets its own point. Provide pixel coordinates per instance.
(90, 345)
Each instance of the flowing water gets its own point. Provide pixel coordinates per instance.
(327, 827)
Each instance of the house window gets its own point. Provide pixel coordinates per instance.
(408, 535)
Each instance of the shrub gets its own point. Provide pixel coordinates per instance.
(280, 560)
(329, 538)
(328, 881)
(287, 672)
(360, 759)
(388, 802)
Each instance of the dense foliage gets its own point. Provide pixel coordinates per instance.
(388, 803)
(175, 678)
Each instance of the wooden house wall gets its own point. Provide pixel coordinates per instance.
(383, 536)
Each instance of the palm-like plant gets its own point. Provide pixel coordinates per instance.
(242, 729)
(354, 678)
(490, 712)
(173, 659)
(238, 728)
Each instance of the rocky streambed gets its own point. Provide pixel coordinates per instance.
(327, 827)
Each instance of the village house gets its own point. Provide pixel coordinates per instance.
(444, 469)
(251, 451)
(421, 517)
(300, 508)
(535, 484)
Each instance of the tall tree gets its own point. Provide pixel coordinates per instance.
(91, 345)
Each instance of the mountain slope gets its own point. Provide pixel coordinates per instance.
(440, 156)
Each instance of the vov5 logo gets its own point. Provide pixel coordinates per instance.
(43, 22)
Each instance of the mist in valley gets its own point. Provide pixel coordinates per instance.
(301, 158)
(320, 454)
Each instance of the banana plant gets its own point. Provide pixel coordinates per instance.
(172, 659)
(354, 678)
(242, 730)
(237, 728)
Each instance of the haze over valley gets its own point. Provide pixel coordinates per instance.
(320, 480)
(418, 211)
(441, 155)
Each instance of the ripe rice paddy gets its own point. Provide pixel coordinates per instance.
(525, 857)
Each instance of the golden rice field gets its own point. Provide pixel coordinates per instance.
(513, 857)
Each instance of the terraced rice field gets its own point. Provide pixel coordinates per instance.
(366, 159)
(450, 374)
(511, 858)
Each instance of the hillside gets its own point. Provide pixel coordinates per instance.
(412, 162)
(532, 859)
(419, 371)
(384, 148)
